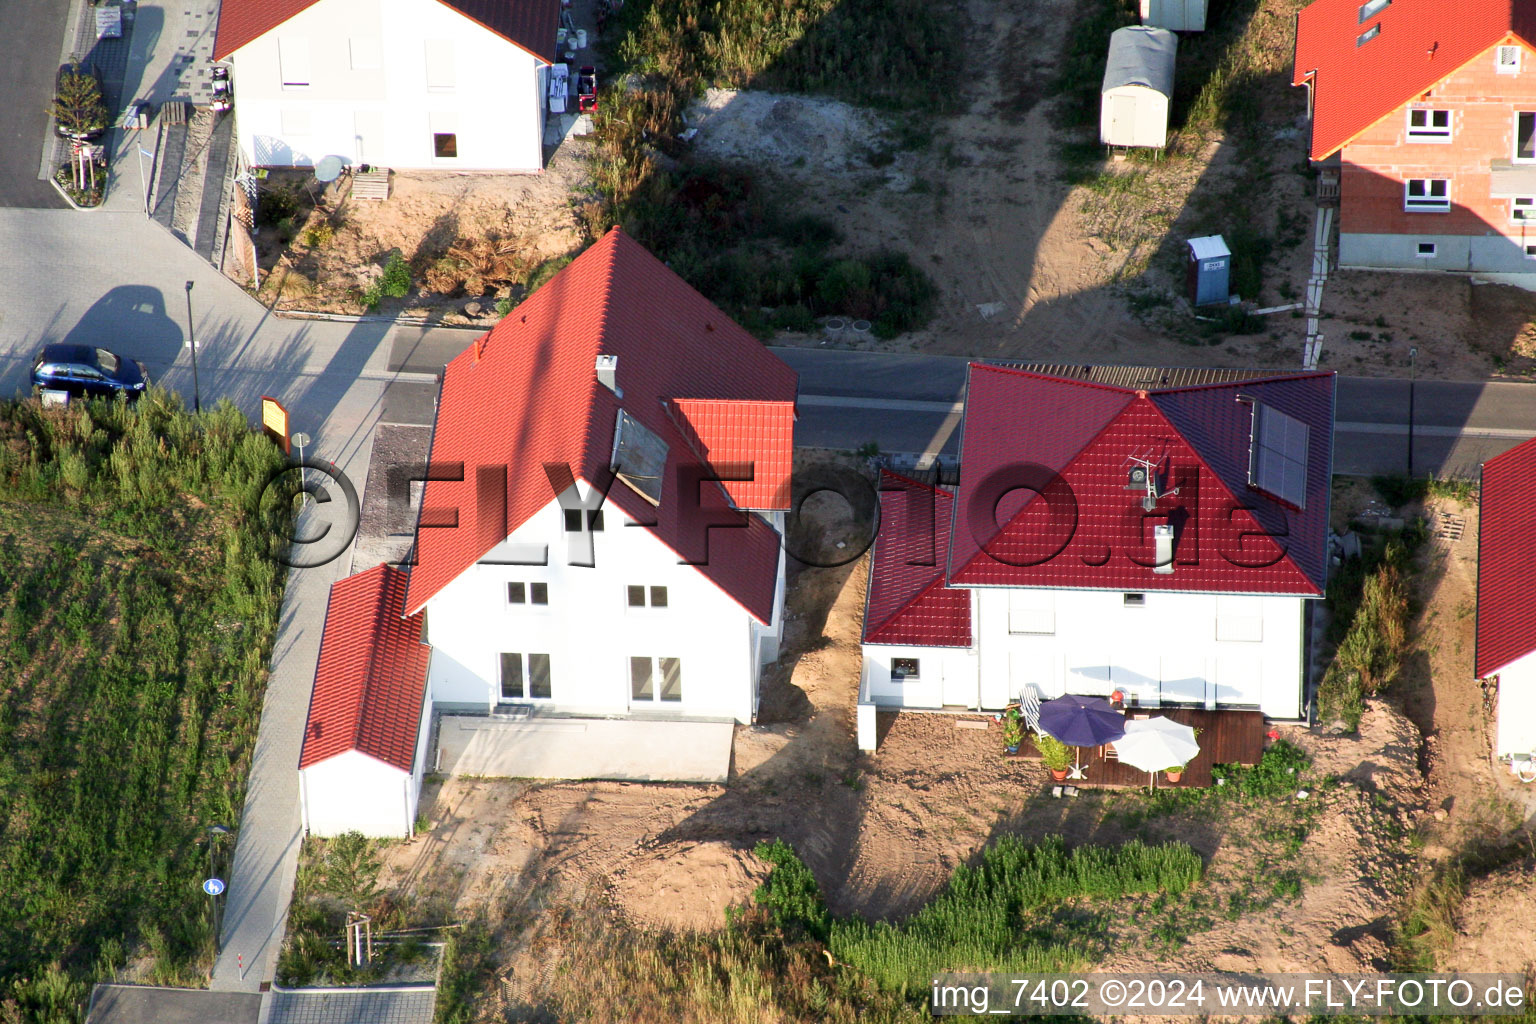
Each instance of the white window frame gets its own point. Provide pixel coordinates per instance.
(1239, 619)
(293, 63)
(1530, 251)
(1371, 8)
(525, 666)
(528, 601)
(1429, 132)
(1428, 202)
(1510, 68)
(656, 678)
(445, 122)
(1031, 613)
(1515, 135)
(1434, 249)
(912, 676)
(1517, 204)
(1368, 35)
(648, 597)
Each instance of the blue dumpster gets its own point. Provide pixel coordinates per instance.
(1210, 266)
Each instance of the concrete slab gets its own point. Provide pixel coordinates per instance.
(146, 1004)
(340, 1006)
(549, 747)
(428, 349)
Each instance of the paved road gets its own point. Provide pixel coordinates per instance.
(32, 32)
(911, 403)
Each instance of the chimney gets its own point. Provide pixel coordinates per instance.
(608, 374)
(1163, 537)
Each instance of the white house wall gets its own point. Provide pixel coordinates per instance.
(1133, 115)
(943, 672)
(355, 792)
(589, 631)
(1166, 649)
(1516, 732)
(368, 98)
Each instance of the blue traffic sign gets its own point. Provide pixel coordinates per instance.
(213, 886)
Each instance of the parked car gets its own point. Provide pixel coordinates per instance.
(85, 371)
(79, 104)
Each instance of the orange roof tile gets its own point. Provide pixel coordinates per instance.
(759, 435)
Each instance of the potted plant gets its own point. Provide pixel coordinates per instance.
(1054, 753)
(1175, 773)
(1013, 730)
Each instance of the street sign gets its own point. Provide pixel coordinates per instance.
(213, 886)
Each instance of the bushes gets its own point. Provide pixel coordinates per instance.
(394, 282)
(982, 920)
(1369, 601)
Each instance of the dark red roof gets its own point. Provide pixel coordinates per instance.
(1048, 459)
(1506, 560)
(371, 680)
(907, 602)
(527, 24)
(526, 395)
(1358, 83)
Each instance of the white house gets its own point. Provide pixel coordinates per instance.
(584, 552)
(1506, 602)
(435, 84)
(365, 738)
(1157, 532)
(1138, 87)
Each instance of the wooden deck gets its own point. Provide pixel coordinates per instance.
(1226, 737)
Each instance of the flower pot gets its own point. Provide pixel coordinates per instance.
(1012, 748)
(1175, 776)
(1059, 774)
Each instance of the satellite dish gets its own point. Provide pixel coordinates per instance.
(328, 169)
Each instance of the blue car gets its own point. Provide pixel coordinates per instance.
(87, 372)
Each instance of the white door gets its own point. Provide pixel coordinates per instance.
(1122, 120)
(959, 688)
(368, 133)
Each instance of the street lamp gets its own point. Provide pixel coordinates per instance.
(197, 400)
(1413, 356)
(213, 885)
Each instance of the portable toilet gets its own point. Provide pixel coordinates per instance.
(1210, 271)
(1175, 15)
(1138, 84)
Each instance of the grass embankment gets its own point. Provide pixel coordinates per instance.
(1232, 87)
(726, 229)
(137, 612)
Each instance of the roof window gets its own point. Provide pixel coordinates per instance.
(1371, 8)
(1368, 34)
(639, 457)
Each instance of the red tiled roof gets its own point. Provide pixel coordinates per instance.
(1047, 458)
(744, 433)
(371, 680)
(1506, 560)
(1421, 42)
(526, 395)
(527, 24)
(907, 602)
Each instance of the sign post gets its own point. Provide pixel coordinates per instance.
(274, 421)
(214, 887)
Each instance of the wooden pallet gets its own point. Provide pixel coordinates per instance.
(371, 185)
(175, 111)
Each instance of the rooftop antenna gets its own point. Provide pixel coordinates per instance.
(1144, 474)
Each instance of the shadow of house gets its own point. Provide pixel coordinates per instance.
(132, 311)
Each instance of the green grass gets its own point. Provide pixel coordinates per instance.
(137, 612)
(1369, 601)
(1019, 909)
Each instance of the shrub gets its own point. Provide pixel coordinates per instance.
(320, 236)
(1052, 751)
(790, 894)
(396, 279)
(278, 203)
(78, 107)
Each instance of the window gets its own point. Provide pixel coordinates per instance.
(1371, 8)
(903, 668)
(365, 53)
(525, 677)
(1522, 208)
(293, 62)
(530, 593)
(440, 72)
(1429, 126)
(635, 596)
(1240, 618)
(445, 145)
(1507, 60)
(1525, 135)
(1427, 249)
(1427, 195)
(1031, 611)
(1368, 34)
(295, 121)
(573, 520)
(1135, 600)
(1530, 252)
(656, 679)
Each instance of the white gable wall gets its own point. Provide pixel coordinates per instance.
(1175, 646)
(383, 77)
(355, 792)
(1516, 730)
(590, 632)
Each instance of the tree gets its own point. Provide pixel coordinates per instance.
(79, 108)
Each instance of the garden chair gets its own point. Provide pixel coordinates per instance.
(1029, 705)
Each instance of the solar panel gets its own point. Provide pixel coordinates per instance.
(639, 457)
(1277, 455)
